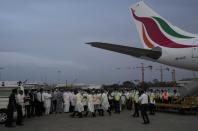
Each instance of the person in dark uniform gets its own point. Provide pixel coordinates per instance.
(11, 107)
(36, 102)
(27, 104)
(54, 101)
(40, 98)
(32, 102)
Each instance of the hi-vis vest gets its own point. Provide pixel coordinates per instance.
(117, 96)
(152, 98)
(136, 96)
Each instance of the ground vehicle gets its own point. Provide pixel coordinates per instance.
(183, 105)
(184, 102)
(4, 98)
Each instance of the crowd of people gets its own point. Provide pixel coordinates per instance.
(84, 103)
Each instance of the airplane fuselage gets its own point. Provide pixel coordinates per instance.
(186, 58)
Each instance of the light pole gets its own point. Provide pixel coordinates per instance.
(173, 75)
(161, 72)
(1, 68)
(142, 67)
(58, 72)
(173, 78)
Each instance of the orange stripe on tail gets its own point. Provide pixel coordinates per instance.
(146, 40)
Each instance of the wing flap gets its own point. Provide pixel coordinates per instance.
(132, 51)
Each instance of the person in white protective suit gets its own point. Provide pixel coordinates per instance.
(72, 100)
(97, 102)
(47, 102)
(84, 101)
(90, 104)
(78, 105)
(105, 106)
(66, 101)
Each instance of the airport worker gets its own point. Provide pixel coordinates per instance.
(105, 106)
(32, 102)
(94, 101)
(127, 94)
(40, 99)
(152, 102)
(72, 100)
(165, 96)
(27, 104)
(66, 101)
(75, 106)
(36, 102)
(54, 101)
(85, 101)
(97, 102)
(161, 96)
(59, 106)
(117, 96)
(11, 107)
(47, 102)
(111, 100)
(176, 95)
(157, 94)
(171, 96)
(143, 100)
(123, 100)
(136, 103)
(78, 106)
(19, 107)
(130, 100)
(90, 104)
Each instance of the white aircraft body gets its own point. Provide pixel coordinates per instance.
(163, 42)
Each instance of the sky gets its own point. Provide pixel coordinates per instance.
(44, 40)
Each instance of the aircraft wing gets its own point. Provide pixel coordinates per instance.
(152, 54)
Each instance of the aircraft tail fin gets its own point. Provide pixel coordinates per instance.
(155, 31)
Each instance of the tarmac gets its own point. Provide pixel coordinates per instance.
(117, 122)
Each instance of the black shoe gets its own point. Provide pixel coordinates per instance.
(94, 115)
(10, 126)
(80, 115)
(146, 122)
(20, 124)
(135, 115)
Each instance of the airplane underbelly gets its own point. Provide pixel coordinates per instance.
(185, 60)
